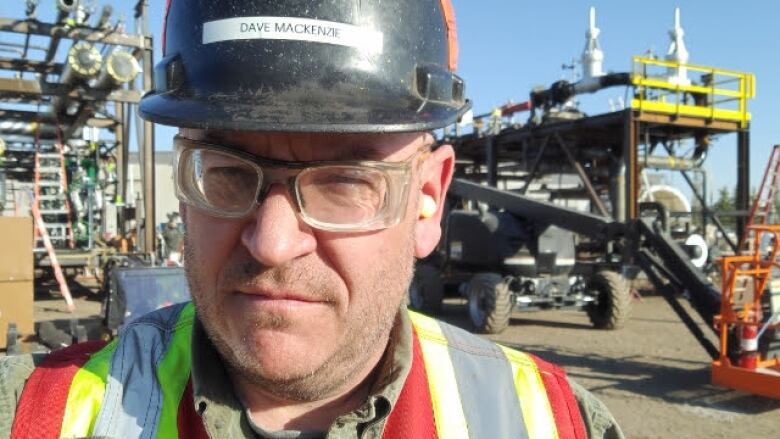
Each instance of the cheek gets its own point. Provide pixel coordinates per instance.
(210, 241)
(366, 261)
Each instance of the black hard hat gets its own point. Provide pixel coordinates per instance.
(308, 65)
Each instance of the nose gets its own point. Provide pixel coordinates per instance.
(275, 234)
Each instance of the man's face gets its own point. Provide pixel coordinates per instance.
(295, 310)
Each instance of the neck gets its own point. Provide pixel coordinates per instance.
(274, 413)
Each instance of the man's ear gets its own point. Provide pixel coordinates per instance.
(434, 181)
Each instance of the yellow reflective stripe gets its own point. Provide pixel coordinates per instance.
(537, 413)
(447, 408)
(86, 394)
(174, 372)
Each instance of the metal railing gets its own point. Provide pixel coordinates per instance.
(719, 94)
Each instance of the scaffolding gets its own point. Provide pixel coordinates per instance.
(72, 111)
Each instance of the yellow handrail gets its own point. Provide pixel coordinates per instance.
(710, 99)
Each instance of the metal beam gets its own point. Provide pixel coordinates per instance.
(594, 196)
(28, 65)
(583, 223)
(743, 180)
(686, 121)
(535, 166)
(630, 210)
(30, 88)
(79, 33)
(150, 235)
(32, 116)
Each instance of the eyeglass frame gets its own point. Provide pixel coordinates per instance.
(396, 173)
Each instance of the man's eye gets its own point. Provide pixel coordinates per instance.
(229, 174)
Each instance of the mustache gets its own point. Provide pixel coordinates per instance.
(245, 272)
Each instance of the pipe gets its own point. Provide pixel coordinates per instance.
(83, 63)
(17, 128)
(64, 9)
(669, 162)
(105, 16)
(561, 91)
(20, 140)
(617, 190)
(120, 68)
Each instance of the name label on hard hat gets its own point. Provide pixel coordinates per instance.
(290, 28)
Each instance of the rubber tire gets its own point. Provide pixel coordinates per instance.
(490, 303)
(426, 292)
(612, 307)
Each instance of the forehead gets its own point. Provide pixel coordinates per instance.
(314, 146)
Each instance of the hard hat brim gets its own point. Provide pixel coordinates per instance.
(229, 114)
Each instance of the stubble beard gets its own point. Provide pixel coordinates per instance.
(367, 328)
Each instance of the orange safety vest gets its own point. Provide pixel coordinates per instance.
(459, 386)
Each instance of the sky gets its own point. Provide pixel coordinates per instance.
(509, 46)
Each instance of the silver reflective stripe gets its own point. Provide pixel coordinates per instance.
(133, 399)
(486, 386)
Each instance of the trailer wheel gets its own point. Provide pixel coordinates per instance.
(612, 307)
(490, 303)
(426, 291)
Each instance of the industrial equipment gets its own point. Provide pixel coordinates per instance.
(502, 260)
(66, 104)
(65, 129)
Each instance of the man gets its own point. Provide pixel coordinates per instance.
(173, 237)
(309, 185)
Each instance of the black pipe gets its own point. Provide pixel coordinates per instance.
(561, 91)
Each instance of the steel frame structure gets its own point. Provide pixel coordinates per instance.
(604, 151)
(17, 89)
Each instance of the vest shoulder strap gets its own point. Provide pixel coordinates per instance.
(480, 389)
(566, 411)
(412, 415)
(47, 390)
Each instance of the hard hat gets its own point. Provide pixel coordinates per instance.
(344, 66)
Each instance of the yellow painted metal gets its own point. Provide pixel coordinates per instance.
(723, 96)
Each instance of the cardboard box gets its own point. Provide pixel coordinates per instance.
(16, 305)
(16, 276)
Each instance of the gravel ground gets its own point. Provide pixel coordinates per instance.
(652, 374)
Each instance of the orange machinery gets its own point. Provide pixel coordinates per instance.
(742, 319)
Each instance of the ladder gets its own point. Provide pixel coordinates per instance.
(763, 203)
(51, 196)
(51, 209)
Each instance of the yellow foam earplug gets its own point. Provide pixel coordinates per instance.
(428, 207)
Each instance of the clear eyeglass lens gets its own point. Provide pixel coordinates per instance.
(342, 194)
(222, 181)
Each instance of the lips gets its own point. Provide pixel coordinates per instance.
(278, 295)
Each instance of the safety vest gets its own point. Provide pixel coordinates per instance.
(459, 386)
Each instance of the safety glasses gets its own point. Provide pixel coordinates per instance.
(359, 195)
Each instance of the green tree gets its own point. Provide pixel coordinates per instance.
(725, 203)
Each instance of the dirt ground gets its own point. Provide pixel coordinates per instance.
(652, 374)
